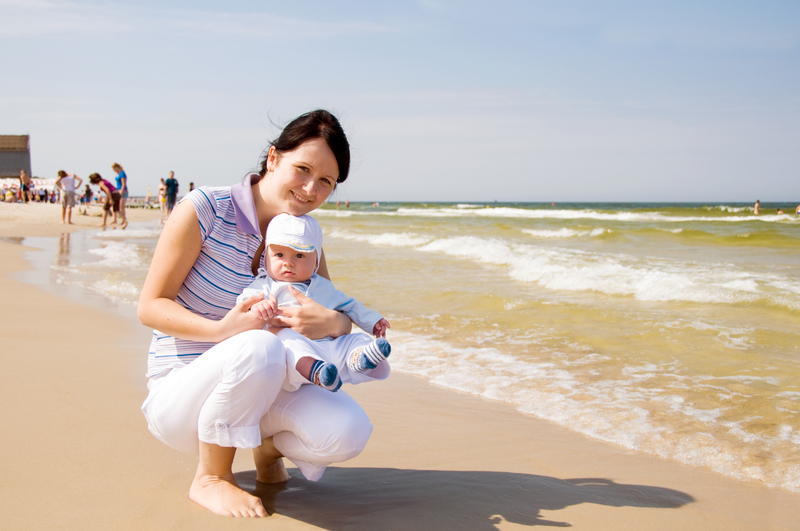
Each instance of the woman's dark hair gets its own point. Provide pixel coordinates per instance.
(62, 173)
(95, 178)
(308, 126)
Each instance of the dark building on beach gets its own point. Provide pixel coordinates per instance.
(15, 155)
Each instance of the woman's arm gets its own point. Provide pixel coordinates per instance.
(175, 254)
(80, 181)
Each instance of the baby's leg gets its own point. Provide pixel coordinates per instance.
(369, 356)
(304, 363)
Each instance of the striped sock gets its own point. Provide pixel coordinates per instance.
(326, 376)
(368, 357)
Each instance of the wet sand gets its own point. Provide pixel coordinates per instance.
(78, 454)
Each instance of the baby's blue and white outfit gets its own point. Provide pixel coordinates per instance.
(303, 234)
(330, 350)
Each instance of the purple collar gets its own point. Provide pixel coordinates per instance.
(244, 207)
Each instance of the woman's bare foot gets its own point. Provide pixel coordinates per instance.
(124, 224)
(221, 495)
(269, 463)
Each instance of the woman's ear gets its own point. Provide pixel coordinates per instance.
(272, 159)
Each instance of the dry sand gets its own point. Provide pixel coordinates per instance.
(77, 453)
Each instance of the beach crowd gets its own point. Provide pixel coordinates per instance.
(114, 198)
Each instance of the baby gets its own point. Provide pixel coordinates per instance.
(291, 258)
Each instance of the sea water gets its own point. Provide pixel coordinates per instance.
(670, 329)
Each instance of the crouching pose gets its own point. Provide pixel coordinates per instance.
(215, 375)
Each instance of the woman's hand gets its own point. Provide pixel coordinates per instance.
(241, 319)
(311, 319)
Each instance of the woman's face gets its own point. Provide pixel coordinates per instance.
(301, 180)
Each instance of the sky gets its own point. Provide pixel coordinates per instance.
(465, 101)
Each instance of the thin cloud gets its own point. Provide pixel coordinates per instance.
(37, 18)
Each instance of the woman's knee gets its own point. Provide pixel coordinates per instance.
(339, 429)
(258, 349)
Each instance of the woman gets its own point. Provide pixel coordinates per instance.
(122, 186)
(112, 196)
(215, 374)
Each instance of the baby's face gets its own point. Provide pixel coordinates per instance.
(288, 265)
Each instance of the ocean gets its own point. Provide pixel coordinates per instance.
(669, 329)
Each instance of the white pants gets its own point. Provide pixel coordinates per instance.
(336, 351)
(231, 396)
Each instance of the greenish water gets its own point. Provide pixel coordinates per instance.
(671, 329)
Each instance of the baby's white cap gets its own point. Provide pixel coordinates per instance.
(301, 233)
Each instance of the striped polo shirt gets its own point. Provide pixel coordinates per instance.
(231, 236)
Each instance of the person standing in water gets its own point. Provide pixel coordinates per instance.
(68, 183)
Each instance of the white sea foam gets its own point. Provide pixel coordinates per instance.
(646, 279)
(564, 233)
(611, 410)
(507, 212)
(525, 213)
(121, 255)
(387, 238)
(725, 208)
(127, 234)
(650, 280)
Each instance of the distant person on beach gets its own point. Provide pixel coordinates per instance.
(25, 186)
(779, 211)
(86, 198)
(122, 186)
(171, 192)
(112, 197)
(191, 187)
(215, 374)
(291, 259)
(797, 210)
(68, 183)
(162, 199)
(757, 207)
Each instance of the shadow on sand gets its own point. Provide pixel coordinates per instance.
(388, 498)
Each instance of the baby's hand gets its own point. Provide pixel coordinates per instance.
(380, 328)
(266, 309)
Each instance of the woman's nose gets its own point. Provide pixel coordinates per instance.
(310, 187)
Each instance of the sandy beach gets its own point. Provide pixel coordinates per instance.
(78, 454)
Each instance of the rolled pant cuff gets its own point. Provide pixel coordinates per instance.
(231, 437)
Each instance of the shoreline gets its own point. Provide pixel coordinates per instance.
(438, 458)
